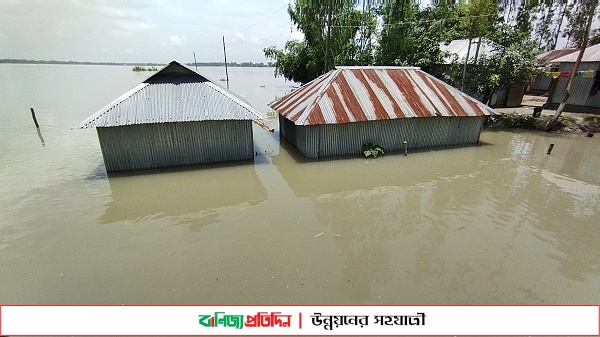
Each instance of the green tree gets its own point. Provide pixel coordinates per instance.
(576, 26)
(576, 23)
(514, 52)
(351, 32)
(412, 35)
(544, 30)
(296, 62)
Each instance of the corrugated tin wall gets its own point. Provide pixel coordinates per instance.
(287, 129)
(541, 84)
(311, 141)
(582, 86)
(305, 139)
(347, 139)
(144, 146)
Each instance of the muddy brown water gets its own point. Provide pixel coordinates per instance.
(497, 223)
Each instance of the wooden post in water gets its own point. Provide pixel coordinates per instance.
(405, 146)
(34, 119)
(550, 148)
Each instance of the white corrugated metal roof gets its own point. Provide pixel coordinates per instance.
(174, 94)
(458, 50)
(591, 54)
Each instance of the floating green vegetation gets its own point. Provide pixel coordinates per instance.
(372, 150)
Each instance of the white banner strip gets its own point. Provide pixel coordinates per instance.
(265, 320)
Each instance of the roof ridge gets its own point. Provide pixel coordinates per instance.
(318, 94)
(464, 95)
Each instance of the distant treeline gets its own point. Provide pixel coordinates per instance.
(200, 64)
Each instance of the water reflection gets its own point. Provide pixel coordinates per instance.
(454, 219)
(98, 173)
(39, 133)
(191, 196)
(315, 177)
(566, 208)
(372, 206)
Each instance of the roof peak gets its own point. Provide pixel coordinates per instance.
(175, 93)
(177, 69)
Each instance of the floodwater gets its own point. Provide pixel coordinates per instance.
(497, 223)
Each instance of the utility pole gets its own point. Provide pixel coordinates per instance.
(362, 27)
(462, 84)
(562, 105)
(225, 54)
(329, 10)
(195, 63)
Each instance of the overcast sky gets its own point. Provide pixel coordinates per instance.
(142, 31)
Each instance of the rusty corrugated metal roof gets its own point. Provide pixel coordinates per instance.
(355, 94)
(174, 94)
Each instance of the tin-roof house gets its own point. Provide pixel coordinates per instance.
(175, 117)
(346, 108)
(541, 84)
(585, 93)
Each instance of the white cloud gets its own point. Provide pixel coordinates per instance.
(241, 37)
(119, 12)
(134, 26)
(178, 41)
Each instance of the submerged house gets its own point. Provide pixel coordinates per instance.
(175, 117)
(346, 108)
(585, 93)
